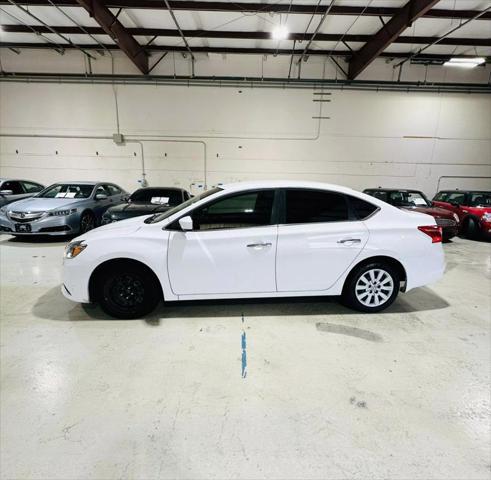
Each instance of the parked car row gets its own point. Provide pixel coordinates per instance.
(69, 208)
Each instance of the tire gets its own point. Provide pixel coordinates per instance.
(127, 291)
(361, 294)
(471, 229)
(87, 222)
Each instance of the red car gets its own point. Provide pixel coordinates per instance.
(472, 207)
(416, 201)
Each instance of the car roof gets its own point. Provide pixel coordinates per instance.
(380, 189)
(11, 179)
(465, 191)
(160, 188)
(260, 184)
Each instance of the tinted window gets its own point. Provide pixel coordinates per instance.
(378, 194)
(313, 206)
(32, 187)
(162, 196)
(67, 190)
(103, 190)
(162, 216)
(113, 189)
(16, 187)
(480, 199)
(408, 199)
(249, 209)
(441, 196)
(455, 197)
(361, 209)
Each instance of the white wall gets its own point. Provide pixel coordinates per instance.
(372, 138)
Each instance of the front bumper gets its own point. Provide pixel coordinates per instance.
(46, 225)
(76, 275)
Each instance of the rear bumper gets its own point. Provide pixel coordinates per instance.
(426, 269)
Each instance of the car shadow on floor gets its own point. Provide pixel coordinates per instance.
(53, 306)
(33, 240)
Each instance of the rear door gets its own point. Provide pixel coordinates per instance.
(317, 241)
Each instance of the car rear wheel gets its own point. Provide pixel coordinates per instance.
(87, 222)
(371, 288)
(128, 291)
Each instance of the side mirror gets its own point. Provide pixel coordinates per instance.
(100, 196)
(6, 192)
(456, 205)
(186, 223)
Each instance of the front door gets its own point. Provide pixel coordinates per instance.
(231, 249)
(317, 241)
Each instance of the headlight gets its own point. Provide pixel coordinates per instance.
(456, 217)
(487, 217)
(61, 213)
(74, 248)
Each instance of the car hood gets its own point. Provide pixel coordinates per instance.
(433, 211)
(111, 230)
(133, 208)
(36, 204)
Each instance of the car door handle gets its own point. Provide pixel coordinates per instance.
(352, 240)
(259, 245)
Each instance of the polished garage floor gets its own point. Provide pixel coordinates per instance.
(297, 389)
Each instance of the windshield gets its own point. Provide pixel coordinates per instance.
(162, 216)
(67, 190)
(408, 199)
(480, 199)
(157, 196)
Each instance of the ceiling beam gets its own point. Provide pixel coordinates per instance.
(232, 50)
(115, 29)
(255, 7)
(327, 37)
(390, 32)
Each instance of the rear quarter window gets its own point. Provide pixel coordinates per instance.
(361, 209)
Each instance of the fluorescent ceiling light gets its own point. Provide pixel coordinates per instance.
(280, 32)
(465, 62)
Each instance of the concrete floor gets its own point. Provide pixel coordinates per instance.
(326, 393)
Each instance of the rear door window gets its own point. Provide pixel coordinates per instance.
(314, 206)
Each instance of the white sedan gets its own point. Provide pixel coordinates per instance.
(260, 239)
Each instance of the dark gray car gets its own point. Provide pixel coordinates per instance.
(12, 190)
(65, 208)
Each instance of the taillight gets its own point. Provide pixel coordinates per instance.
(433, 231)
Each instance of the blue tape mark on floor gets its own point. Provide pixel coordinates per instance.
(244, 350)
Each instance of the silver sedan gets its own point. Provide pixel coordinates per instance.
(62, 209)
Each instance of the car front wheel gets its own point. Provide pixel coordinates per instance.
(87, 222)
(371, 288)
(128, 292)
(471, 228)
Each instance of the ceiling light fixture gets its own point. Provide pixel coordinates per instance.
(465, 62)
(280, 32)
